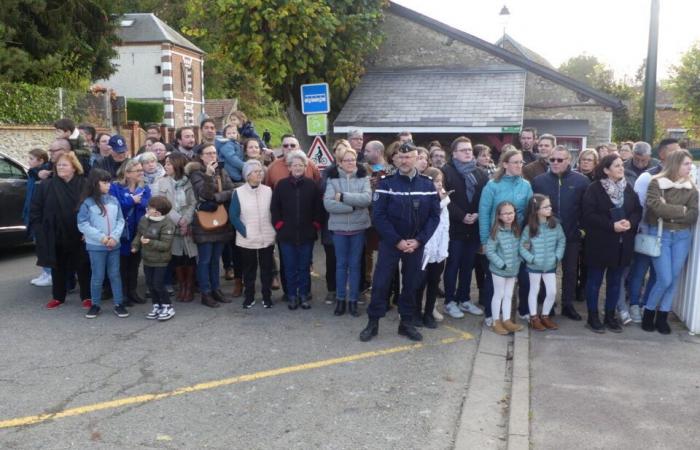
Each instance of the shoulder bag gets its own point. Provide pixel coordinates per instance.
(649, 244)
(212, 220)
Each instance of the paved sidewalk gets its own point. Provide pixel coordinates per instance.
(614, 391)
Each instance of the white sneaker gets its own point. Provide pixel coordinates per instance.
(166, 313)
(154, 313)
(471, 308)
(625, 318)
(437, 316)
(453, 310)
(488, 322)
(42, 280)
(525, 317)
(636, 313)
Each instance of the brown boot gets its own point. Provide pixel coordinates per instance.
(237, 287)
(512, 326)
(536, 324)
(208, 300)
(549, 323)
(181, 276)
(188, 295)
(499, 329)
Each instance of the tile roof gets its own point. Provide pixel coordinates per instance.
(436, 98)
(219, 109)
(147, 28)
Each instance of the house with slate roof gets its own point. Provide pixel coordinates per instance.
(440, 82)
(155, 62)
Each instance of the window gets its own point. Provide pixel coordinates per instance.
(158, 70)
(10, 171)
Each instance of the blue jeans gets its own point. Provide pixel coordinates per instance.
(675, 246)
(297, 264)
(208, 265)
(458, 270)
(349, 250)
(101, 261)
(613, 278)
(640, 264)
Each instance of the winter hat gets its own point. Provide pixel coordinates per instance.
(250, 166)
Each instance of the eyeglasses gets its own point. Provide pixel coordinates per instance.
(557, 160)
(546, 207)
(509, 213)
(208, 153)
(289, 145)
(586, 160)
(349, 160)
(517, 163)
(135, 171)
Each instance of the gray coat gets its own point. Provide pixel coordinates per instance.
(351, 213)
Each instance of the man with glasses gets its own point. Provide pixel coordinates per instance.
(356, 139)
(56, 149)
(565, 189)
(278, 170)
(119, 154)
(405, 212)
(545, 145)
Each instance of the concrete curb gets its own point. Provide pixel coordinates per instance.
(519, 411)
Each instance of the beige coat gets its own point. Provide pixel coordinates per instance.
(182, 245)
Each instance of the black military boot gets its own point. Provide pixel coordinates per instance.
(407, 329)
(370, 330)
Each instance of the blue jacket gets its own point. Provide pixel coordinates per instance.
(566, 194)
(516, 190)
(131, 211)
(231, 153)
(95, 226)
(405, 208)
(545, 250)
(503, 253)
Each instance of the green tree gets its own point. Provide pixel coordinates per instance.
(65, 43)
(685, 85)
(275, 46)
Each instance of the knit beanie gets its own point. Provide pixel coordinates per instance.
(250, 166)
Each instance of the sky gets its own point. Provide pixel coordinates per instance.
(615, 31)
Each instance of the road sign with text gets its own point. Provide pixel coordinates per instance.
(315, 98)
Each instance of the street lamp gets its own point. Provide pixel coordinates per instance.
(504, 16)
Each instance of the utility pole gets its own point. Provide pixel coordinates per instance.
(648, 122)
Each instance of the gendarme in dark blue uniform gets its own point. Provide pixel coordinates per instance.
(405, 207)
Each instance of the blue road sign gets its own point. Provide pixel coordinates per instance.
(315, 98)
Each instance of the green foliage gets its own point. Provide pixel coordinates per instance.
(144, 112)
(28, 104)
(278, 126)
(64, 43)
(685, 85)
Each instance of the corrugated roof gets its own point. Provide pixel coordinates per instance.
(147, 28)
(437, 99)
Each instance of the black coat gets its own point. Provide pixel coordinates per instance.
(566, 194)
(53, 217)
(296, 210)
(603, 246)
(459, 205)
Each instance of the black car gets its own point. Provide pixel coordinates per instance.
(13, 189)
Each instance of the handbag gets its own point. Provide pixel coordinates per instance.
(649, 244)
(212, 220)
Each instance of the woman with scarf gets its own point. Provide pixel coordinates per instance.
(152, 170)
(611, 213)
(53, 218)
(176, 187)
(463, 181)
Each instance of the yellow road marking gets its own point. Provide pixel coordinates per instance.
(122, 402)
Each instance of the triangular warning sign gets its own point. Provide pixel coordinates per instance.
(319, 154)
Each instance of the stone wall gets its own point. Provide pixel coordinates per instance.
(17, 140)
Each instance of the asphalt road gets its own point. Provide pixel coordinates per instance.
(223, 378)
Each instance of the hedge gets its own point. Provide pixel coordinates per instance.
(27, 104)
(144, 111)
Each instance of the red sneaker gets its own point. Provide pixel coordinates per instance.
(53, 304)
(87, 303)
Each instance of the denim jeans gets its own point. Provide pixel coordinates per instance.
(208, 265)
(349, 250)
(101, 261)
(675, 246)
(458, 270)
(640, 264)
(296, 265)
(613, 278)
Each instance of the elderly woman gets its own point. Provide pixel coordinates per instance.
(255, 236)
(133, 195)
(53, 218)
(296, 215)
(610, 215)
(587, 160)
(176, 187)
(152, 170)
(347, 198)
(212, 187)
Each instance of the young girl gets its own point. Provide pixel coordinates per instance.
(504, 264)
(542, 247)
(434, 256)
(101, 222)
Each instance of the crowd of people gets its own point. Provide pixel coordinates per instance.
(395, 221)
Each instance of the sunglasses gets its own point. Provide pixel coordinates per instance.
(289, 145)
(557, 160)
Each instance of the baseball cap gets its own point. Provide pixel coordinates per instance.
(118, 143)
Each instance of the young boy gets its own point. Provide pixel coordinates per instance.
(154, 236)
(37, 160)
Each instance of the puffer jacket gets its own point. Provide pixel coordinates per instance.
(514, 189)
(545, 250)
(96, 224)
(231, 153)
(160, 232)
(351, 213)
(206, 190)
(502, 253)
(565, 191)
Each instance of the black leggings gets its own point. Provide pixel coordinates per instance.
(430, 283)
